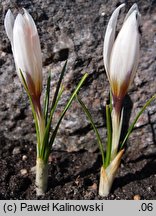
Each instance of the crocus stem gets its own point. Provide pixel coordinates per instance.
(41, 177)
(116, 130)
(40, 116)
(41, 164)
(107, 175)
(41, 124)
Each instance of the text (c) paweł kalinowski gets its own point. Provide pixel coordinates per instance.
(61, 207)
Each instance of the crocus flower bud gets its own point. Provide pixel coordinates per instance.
(121, 54)
(23, 35)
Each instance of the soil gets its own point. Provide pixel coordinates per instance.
(73, 175)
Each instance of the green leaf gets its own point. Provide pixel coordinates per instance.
(46, 101)
(136, 119)
(109, 135)
(56, 102)
(45, 147)
(45, 150)
(94, 127)
(58, 85)
(66, 108)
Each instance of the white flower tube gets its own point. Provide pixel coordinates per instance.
(24, 39)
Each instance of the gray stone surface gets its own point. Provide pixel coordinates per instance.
(75, 30)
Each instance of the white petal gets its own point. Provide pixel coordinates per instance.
(27, 52)
(36, 48)
(133, 8)
(34, 37)
(8, 24)
(37, 59)
(22, 46)
(28, 18)
(125, 52)
(110, 37)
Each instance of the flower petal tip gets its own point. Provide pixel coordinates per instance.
(8, 24)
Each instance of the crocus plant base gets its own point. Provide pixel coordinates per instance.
(107, 175)
(41, 177)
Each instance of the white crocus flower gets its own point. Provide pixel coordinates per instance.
(23, 35)
(121, 54)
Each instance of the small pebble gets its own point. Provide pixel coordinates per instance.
(113, 196)
(93, 187)
(149, 188)
(137, 197)
(75, 191)
(24, 157)
(77, 181)
(23, 171)
(16, 151)
(103, 14)
(88, 194)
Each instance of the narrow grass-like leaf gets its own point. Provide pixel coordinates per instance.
(66, 108)
(56, 102)
(59, 84)
(34, 113)
(86, 111)
(45, 147)
(136, 119)
(46, 100)
(109, 135)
